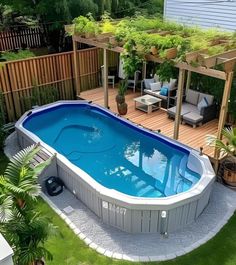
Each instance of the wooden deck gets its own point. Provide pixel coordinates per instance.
(193, 137)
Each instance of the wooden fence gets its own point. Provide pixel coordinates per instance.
(21, 37)
(40, 80)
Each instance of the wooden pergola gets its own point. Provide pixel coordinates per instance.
(227, 59)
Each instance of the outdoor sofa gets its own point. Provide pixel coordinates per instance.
(155, 88)
(197, 108)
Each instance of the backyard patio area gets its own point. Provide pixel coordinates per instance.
(157, 120)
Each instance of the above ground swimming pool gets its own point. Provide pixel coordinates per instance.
(134, 179)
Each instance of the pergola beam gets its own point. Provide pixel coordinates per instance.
(98, 44)
(229, 65)
(217, 59)
(200, 69)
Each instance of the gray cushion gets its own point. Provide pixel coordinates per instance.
(172, 111)
(171, 85)
(192, 117)
(192, 96)
(209, 98)
(155, 86)
(189, 108)
(147, 82)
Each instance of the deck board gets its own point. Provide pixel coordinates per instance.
(157, 120)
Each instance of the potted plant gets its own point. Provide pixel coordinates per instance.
(226, 147)
(122, 106)
(90, 29)
(79, 24)
(154, 50)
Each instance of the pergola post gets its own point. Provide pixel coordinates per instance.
(76, 68)
(179, 103)
(224, 108)
(105, 78)
(144, 70)
(188, 79)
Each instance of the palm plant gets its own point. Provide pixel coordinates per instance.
(20, 178)
(23, 227)
(228, 147)
(122, 106)
(27, 234)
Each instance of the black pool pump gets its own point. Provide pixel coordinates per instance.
(54, 185)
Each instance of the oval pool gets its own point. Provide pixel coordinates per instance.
(116, 167)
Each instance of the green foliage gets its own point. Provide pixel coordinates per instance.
(228, 148)
(40, 96)
(80, 22)
(209, 85)
(21, 54)
(122, 88)
(25, 228)
(215, 50)
(132, 61)
(166, 71)
(106, 23)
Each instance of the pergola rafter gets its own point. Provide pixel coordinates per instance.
(227, 59)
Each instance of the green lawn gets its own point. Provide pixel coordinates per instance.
(68, 249)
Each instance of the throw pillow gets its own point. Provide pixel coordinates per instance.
(202, 104)
(156, 77)
(155, 86)
(192, 97)
(209, 98)
(148, 82)
(171, 84)
(164, 91)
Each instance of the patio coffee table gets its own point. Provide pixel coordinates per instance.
(147, 103)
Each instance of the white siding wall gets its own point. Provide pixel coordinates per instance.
(5, 252)
(204, 13)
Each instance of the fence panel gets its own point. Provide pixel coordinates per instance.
(21, 37)
(43, 79)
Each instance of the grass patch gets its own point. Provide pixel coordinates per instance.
(21, 54)
(68, 249)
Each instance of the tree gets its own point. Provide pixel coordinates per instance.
(56, 13)
(21, 224)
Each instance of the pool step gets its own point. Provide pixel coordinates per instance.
(42, 156)
(183, 165)
(146, 190)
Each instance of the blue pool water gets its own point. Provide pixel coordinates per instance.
(112, 152)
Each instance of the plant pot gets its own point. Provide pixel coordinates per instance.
(104, 37)
(229, 176)
(201, 58)
(113, 41)
(154, 50)
(122, 108)
(171, 53)
(120, 99)
(218, 41)
(89, 35)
